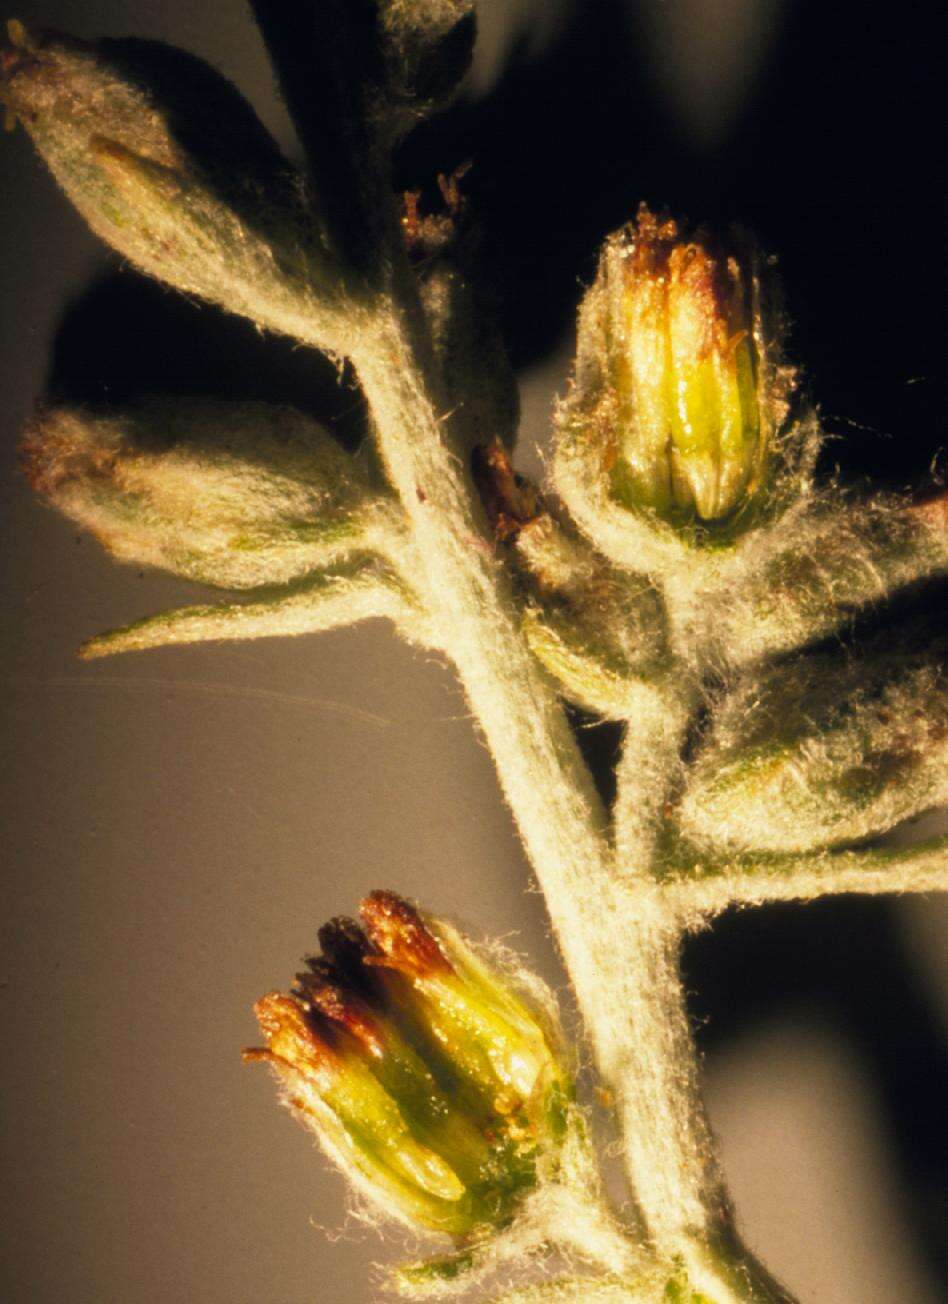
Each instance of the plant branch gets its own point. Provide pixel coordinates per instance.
(756, 880)
(618, 941)
(648, 771)
(669, 1147)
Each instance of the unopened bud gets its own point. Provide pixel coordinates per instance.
(421, 1071)
(672, 381)
(235, 495)
(823, 752)
(171, 167)
(599, 632)
(426, 49)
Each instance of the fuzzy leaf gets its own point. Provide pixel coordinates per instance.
(328, 601)
(447, 1274)
(473, 360)
(714, 885)
(831, 562)
(591, 1290)
(601, 633)
(427, 48)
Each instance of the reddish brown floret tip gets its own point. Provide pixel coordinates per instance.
(343, 942)
(401, 935)
(655, 226)
(323, 993)
(255, 1055)
(511, 503)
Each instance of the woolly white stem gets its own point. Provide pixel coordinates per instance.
(669, 1151)
(647, 770)
(542, 774)
(577, 1222)
(620, 947)
(646, 1055)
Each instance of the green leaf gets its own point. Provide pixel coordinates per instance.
(326, 601)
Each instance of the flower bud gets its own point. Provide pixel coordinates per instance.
(171, 167)
(420, 1070)
(822, 752)
(426, 49)
(673, 391)
(835, 559)
(599, 632)
(235, 495)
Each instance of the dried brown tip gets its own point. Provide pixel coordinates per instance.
(46, 455)
(292, 1037)
(344, 943)
(19, 55)
(256, 1055)
(320, 989)
(401, 936)
(57, 446)
(661, 248)
(510, 501)
(275, 1012)
(649, 226)
(15, 49)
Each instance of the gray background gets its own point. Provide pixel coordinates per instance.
(177, 825)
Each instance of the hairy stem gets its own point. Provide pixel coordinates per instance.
(619, 941)
(647, 773)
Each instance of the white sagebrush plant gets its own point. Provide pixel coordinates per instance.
(683, 575)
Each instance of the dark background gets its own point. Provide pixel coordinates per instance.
(177, 825)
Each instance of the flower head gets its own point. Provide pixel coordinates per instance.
(675, 385)
(170, 166)
(691, 434)
(422, 1072)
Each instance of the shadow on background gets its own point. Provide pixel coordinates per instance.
(831, 166)
(847, 958)
(128, 337)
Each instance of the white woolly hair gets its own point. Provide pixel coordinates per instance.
(828, 749)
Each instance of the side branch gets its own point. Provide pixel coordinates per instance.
(707, 890)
